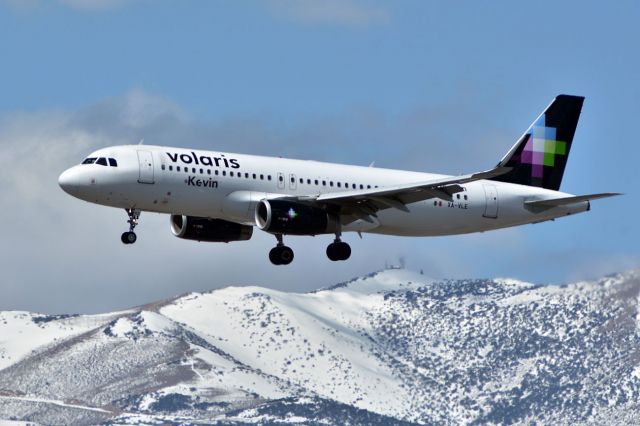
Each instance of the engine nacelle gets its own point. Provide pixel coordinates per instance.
(289, 218)
(209, 230)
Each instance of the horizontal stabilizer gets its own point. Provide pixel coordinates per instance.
(556, 202)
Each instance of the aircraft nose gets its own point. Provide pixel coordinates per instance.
(69, 181)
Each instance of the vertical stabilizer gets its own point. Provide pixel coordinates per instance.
(540, 155)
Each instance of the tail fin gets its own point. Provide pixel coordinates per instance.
(540, 155)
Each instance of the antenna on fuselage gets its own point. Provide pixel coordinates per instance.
(141, 142)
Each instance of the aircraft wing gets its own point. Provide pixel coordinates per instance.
(360, 204)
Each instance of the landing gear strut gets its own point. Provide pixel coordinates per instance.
(281, 254)
(338, 250)
(130, 237)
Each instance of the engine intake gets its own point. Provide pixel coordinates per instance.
(209, 230)
(286, 217)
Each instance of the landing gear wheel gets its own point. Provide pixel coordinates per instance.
(129, 237)
(338, 251)
(286, 255)
(281, 255)
(274, 256)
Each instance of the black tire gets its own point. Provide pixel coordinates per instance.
(274, 256)
(286, 255)
(129, 237)
(332, 252)
(344, 251)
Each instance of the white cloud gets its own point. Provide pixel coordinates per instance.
(340, 12)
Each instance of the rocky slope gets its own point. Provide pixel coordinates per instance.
(389, 348)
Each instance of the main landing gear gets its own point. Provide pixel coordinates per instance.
(281, 254)
(338, 250)
(130, 237)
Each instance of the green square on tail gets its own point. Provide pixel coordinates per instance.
(549, 158)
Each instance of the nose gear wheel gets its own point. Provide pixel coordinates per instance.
(130, 237)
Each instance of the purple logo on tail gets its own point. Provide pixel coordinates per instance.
(541, 148)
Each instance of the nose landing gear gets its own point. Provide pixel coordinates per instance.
(134, 217)
(281, 254)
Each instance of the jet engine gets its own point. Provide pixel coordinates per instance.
(290, 218)
(209, 230)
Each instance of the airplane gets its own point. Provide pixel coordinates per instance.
(221, 197)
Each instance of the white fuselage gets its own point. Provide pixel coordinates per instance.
(228, 186)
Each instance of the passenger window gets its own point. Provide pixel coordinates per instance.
(193, 170)
(331, 183)
(255, 176)
(162, 166)
(208, 171)
(316, 181)
(368, 186)
(268, 177)
(339, 185)
(224, 173)
(361, 186)
(301, 180)
(308, 181)
(177, 168)
(114, 163)
(102, 161)
(246, 175)
(280, 178)
(217, 172)
(324, 183)
(201, 171)
(261, 177)
(465, 197)
(89, 160)
(354, 186)
(231, 174)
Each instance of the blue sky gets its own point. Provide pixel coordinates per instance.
(421, 85)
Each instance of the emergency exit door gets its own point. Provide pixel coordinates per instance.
(491, 197)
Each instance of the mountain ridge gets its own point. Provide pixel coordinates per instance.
(393, 347)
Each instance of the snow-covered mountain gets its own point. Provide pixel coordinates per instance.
(389, 348)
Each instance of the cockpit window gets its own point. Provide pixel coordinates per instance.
(89, 160)
(113, 162)
(102, 161)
